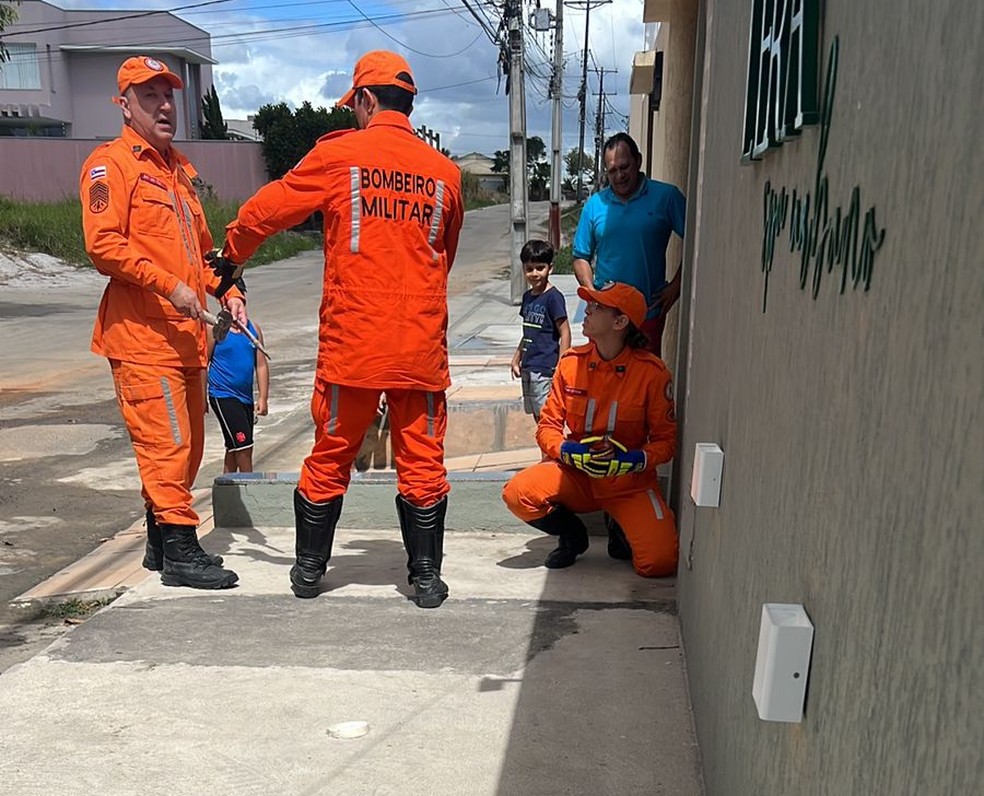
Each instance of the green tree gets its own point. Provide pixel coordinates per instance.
(7, 15)
(214, 127)
(289, 135)
(539, 181)
(500, 161)
(536, 150)
(583, 164)
(537, 168)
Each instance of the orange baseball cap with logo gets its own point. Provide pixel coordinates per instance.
(625, 298)
(140, 69)
(379, 68)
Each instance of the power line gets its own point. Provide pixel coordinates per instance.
(268, 34)
(141, 14)
(482, 20)
(407, 46)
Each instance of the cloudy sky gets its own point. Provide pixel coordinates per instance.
(297, 50)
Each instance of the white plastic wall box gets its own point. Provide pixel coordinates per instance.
(782, 665)
(705, 481)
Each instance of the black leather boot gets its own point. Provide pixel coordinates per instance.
(423, 536)
(315, 531)
(618, 545)
(186, 564)
(154, 552)
(572, 536)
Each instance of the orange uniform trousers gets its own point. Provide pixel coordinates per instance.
(418, 422)
(643, 514)
(164, 411)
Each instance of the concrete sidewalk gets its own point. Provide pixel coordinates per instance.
(526, 681)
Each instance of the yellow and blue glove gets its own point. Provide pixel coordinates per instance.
(624, 461)
(582, 456)
(575, 454)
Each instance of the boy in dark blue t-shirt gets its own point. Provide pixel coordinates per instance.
(546, 332)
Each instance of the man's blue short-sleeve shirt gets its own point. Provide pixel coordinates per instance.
(627, 240)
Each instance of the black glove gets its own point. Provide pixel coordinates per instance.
(229, 273)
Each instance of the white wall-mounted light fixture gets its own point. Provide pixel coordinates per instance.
(782, 665)
(705, 481)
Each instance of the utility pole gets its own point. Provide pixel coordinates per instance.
(518, 196)
(600, 124)
(582, 93)
(557, 86)
(543, 21)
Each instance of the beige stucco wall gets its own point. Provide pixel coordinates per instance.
(852, 425)
(666, 157)
(47, 169)
(671, 133)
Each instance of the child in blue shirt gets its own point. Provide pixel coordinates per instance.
(232, 365)
(546, 331)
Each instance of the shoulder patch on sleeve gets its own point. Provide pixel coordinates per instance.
(98, 197)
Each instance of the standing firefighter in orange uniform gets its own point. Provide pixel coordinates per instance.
(393, 209)
(617, 400)
(145, 229)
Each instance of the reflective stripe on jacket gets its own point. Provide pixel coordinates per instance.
(392, 210)
(145, 229)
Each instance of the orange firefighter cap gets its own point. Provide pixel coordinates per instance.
(141, 69)
(618, 295)
(379, 68)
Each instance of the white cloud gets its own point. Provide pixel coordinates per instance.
(266, 54)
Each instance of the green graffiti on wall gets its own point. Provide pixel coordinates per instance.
(781, 84)
(827, 241)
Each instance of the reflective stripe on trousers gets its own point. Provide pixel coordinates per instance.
(341, 414)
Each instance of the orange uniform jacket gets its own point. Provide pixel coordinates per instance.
(392, 209)
(629, 398)
(145, 229)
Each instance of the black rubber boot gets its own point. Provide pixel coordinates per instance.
(154, 552)
(618, 545)
(315, 531)
(572, 536)
(423, 536)
(186, 564)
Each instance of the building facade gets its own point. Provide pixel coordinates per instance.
(829, 340)
(481, 166)
(62, 69)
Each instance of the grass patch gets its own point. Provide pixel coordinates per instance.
(73, 609)
(276, 247)
(55, 228)
(476, 202)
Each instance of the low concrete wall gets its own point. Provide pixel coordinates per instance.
(256, 500)
(241, 500)
(47, 169)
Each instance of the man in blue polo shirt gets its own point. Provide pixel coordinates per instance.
(625, 230)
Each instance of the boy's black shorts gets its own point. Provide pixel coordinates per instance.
(236, 420)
